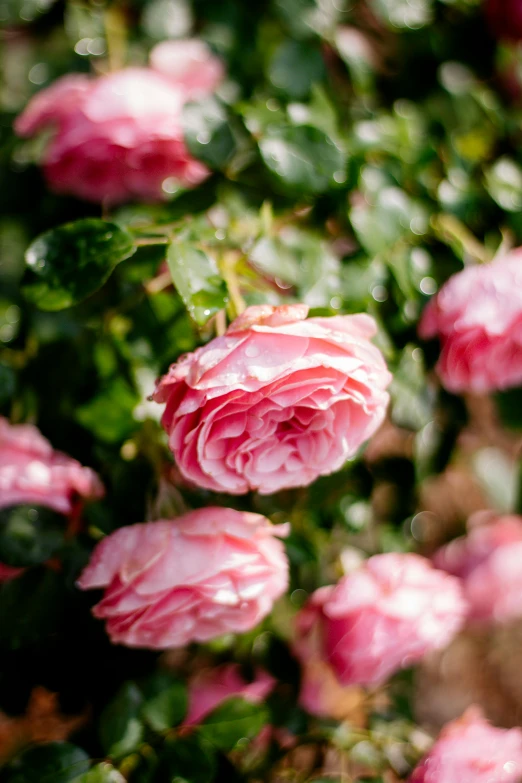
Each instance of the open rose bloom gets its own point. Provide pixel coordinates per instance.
(384, 616)
(477, 316)
(207, 573)
(488, 562)
(32, 472)
(276, 402)
(211, 687)
(469, 750)
(119, 136)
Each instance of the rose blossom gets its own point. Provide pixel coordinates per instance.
(209, 688)
(477, 315)
(207, 573)
(469, 750)
(275, 402)
(487, 560)
(119, 136)
(32, 472)
(385, 615)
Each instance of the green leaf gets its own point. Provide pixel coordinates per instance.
(412, 400)
(101, 773)
(231, 721)
(57, 762)
(207, 132)
(186, 759)
(303, 158)
(121, 729)
(72, 261)
(30, 607)
(294, 67)
(7, 382)
(29, 535)
(509, 407)
(391, 216)
(109, 415)
(165, 701)
(504, 184)
(196, 277)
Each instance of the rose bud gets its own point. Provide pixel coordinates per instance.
(275, 402)
(167, 583)
(209, 688)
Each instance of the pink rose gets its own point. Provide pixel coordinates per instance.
(207, 573)
(477, 315)
(32, 472)
(190, 64)
(211, 687)
(384, 616)
(276, 402)
(487, 561)
(469, 750)
(119, 136)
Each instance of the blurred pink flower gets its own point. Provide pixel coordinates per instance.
(384, 616)
(469, 750)
(119, 136)
(207, 573)
(189, 64)
(477, 315)
(487, 560)
(9, 572)
(276, 402)
(32, 472)
(211, 687)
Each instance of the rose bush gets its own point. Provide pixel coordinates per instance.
(275, 402)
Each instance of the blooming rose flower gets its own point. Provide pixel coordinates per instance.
(207, 573)
(211, 687)
(469, 750)
(487, 560)
(477, 315)
(119, 136)
(276, 401)
(32, 472)
(384, 616)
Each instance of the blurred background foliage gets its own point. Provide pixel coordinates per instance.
(361, 152)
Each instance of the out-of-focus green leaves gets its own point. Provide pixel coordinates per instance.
(295, 67)
(412, 399)
(504, 184)
(187, 759)
(30, 607)
(196, 277)
(109, 415)
(207, 132)
(57, 762)
(7, 382)
(303, 158)
(29, 535)
(231, 721)
(72, 261)
(121, 729)
(165, 701)
(101, 773)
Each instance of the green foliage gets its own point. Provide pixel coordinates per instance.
(57, 762)
(29, 535)
(71, 262)
(207, 132)
(121, 729)
(165, 702)
(195, 275)
(231, 721)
